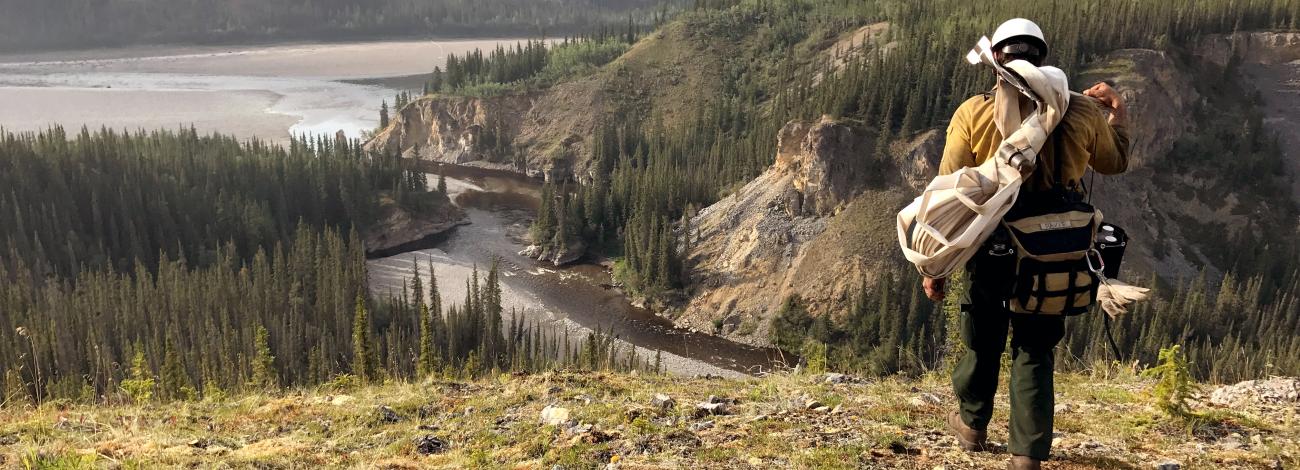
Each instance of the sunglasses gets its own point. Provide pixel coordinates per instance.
(1021, 49)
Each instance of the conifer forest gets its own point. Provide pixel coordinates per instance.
(172, 265)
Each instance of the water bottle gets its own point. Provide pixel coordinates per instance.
(1111, 241)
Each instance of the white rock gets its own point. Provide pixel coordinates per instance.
(554, 415)
(924, 400)
(837, 378)
(1273, 391)
(708, 409)
(663, 401)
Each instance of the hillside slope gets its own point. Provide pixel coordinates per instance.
(752, 250)
(1107, 420)
(665, 78)
(547, 132)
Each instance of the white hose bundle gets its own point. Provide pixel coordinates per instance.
(946, 224)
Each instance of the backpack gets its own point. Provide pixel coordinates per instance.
(1042, 253)
(1053, 270)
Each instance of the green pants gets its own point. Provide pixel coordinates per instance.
(984, 324)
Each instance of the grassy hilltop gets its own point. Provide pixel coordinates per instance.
(1107, 419)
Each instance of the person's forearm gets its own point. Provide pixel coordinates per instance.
(1118, 115)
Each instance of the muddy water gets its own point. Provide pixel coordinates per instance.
(270, 92)
(500, 205)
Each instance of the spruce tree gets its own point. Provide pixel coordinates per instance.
(362, 366)
(176, 382)
(264, 374)
(140, 386)
(428, 360)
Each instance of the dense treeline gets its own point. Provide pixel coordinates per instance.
(197, 327)
(109, 200)
(1236, 332)
(296, 316)
(39, 24)
(889, 327)
(648, 172)
(174, 265)
(529, 65)
(1241, 330)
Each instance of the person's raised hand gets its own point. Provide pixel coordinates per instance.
(1111, 99)
(934, 288)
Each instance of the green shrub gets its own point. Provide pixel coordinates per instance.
(140, 386)
(814, 352)
(1173, 383)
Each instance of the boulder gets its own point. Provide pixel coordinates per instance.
(572, 250)
(700, 426)
(711, 409)
(388, 415)
(554, 416)
(531, 251)
(1272, 391)
(663, 402)
(925, 400)
(837, 378)
(429, 444)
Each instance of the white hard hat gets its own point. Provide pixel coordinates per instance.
(1018, 27)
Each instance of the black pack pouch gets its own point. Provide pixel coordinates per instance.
(993, 267)
(1110, 242)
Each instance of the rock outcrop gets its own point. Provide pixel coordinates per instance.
(399, 225)
(1281, 391)
(454, 129)
(825, 162)
(1260, 47)
(547, 133)
(573, 250)
(1162, 96)
(794, 230)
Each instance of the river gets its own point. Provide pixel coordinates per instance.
(273, 92)
(268, 92)
(577, 297)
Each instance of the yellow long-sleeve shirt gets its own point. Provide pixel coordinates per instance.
(1089, 141)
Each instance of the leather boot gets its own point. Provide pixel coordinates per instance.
(1020, 462)
(971, 440)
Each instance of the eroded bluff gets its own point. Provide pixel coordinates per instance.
(815, 224)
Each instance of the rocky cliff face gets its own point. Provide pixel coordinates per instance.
(804, 227)
(1163, 100)
(1267, 48)
(664, 77)
(825, 164)
(454, 129)
(1271, 63)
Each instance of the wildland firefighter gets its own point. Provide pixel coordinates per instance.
(1091, 133)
